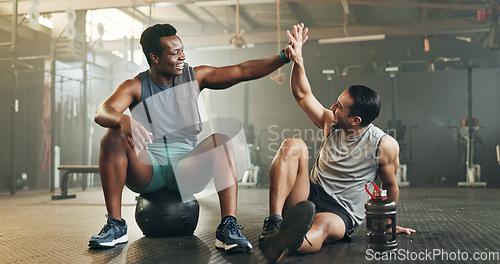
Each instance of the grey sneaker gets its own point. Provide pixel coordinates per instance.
(296, 222)
(114, 232)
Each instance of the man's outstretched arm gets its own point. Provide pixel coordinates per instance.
(224, 77)
(301, 89)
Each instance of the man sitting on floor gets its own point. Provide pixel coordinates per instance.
(328, 205)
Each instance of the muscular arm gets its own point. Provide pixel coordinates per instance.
(224, 77)
(388, 160)
(109, 113)
(301, 89)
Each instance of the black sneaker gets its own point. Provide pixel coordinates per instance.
(228, 236)
(296, 222)
(271, 225)
(114, 232)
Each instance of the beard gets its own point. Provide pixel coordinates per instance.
(340, 124)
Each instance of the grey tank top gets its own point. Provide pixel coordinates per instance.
(345, 164)
(170, 112)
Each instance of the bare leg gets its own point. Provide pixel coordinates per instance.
(289, 184)
(214, 157)
(226, 178)
(327, 227)
(227, 199)
(119, 163)
(288, 176)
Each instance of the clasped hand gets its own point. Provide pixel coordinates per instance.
(136, 134)
(296, 39)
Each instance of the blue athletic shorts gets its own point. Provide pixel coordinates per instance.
(165, 157)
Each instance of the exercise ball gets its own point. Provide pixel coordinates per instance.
(164, 214)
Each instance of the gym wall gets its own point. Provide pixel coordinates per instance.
(431, 100)
(28, 139)
(434, 101)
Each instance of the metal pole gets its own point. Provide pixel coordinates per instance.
(85, 107)
(85, 110)
(392, 74)
(393, 77)
(246, 105)
(469, 94)
(53, 115)
(14, 94)
(329, 79)
(470, 120)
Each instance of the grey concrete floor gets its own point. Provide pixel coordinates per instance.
(451, 223)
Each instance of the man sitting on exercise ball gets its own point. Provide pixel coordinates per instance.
(144, 150)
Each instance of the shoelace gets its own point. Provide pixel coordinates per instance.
(109, 224)
(308, 241)
(233, 228)
(268, 222)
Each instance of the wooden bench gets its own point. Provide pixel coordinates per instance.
(68, 170)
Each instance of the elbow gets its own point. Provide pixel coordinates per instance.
(298, 99)
(98, 116)
(97, 119)
(391, 186)
(297, 95)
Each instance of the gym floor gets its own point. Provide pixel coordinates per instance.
(452, 224)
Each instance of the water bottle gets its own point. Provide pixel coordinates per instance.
(379, 209)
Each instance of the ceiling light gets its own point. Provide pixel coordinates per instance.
(224, 47)
(47, 22)
(351, 39)
(392, 69)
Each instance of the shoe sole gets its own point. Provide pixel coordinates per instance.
(262, 236)
(233, 248)
(120, 240)
(261, 239)
(296, 223)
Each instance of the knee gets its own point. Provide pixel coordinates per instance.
(321, 224)
(112, 139)
(293, 148)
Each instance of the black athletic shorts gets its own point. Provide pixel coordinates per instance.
(325, 203)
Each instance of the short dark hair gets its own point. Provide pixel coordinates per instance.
(366, 104)
(150, 39)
